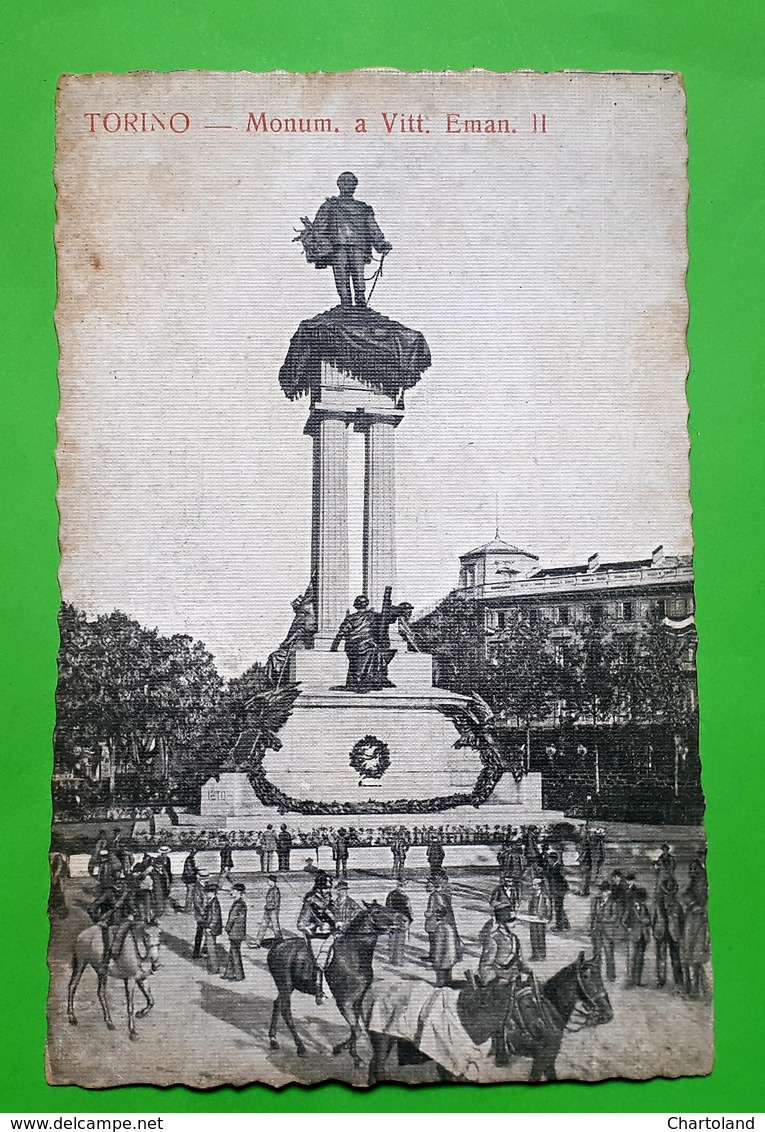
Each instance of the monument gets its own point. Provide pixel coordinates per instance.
(363, 729)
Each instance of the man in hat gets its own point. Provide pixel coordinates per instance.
(226, 861)
(189, 877)
(317, 924)
(540, 914)
(199, 908)
(638, 931)
(604, 910)
(340, 853)
(664, 866)
(398, 901)
(213, 926)
(269, 848)
(167, 868)
(102, 842)
(503, 896)
(435, 854)
(271, 907)
(283, 848)
(399, 849)
(502, 966)
(558, 887)
(346, 908)
(348, 227)
(236, 930)
(502, 956)
(667, 927)
(441, 929)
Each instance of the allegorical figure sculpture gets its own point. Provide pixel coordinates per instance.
(342, 236)
(367, 642)
(299, 636)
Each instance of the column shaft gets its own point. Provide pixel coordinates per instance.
(329, 536)
(379, 511)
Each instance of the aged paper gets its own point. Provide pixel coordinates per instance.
(377, 736)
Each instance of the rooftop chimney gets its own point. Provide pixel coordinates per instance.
(592, 563)
(657, 556)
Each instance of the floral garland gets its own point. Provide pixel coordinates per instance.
(271, 795)
(370, 757)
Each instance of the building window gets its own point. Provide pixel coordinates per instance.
(660, 607)
(628, 611)
(559, 654)
(596, 614)
(533, 617)
(564, 615)
(469, 577)
(501, 620)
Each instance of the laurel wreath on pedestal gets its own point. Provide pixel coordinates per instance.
(370, 757)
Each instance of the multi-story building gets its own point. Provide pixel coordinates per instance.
(626, 765)
(621, 594)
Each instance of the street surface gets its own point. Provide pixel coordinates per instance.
(205, 1031)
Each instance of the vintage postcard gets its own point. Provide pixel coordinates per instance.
(376, 754)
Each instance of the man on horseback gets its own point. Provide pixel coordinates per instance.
(113, 911)
(502, 969)
(318, 924)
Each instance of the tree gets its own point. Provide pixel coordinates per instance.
(131, 697)
(454, 634)
(593, 687)
(524, 668)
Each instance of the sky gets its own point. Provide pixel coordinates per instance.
(546, 270)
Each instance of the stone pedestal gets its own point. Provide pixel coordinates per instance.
(328, 721)
(229, 795)
(527, 794)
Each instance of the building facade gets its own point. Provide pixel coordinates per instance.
(622, 595)
(619, 766)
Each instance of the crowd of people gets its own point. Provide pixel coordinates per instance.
(360, 836)
(531, 890)
(624, 921)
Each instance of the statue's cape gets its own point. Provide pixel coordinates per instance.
(359, 340)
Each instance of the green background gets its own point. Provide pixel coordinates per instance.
(719, 49)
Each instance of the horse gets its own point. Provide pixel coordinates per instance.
(570, 1000)
(348, 973)
(135, 959)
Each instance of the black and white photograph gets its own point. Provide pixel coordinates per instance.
(376, 753)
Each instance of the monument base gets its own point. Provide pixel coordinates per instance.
(381, 751)
(230, 795)
(230, 803)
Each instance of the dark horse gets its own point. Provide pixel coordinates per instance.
(348, 973)
(572, 999)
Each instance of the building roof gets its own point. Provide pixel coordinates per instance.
(498, 546)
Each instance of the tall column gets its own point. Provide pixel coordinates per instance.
(329, 535)
(379, 510)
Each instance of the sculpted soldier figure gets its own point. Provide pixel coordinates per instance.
(299, 636)
(343, 235)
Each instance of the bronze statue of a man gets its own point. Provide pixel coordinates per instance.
(343, 235)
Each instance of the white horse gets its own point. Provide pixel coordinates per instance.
(136, 958)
